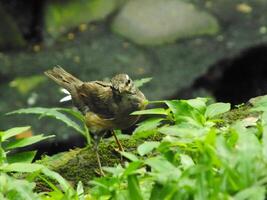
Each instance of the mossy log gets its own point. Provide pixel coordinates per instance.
(80, 164)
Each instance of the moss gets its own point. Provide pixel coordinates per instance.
(236, 114)
(81, 164)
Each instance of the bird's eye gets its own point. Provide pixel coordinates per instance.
(128, 82)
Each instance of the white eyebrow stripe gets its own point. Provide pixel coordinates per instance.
(127, 76)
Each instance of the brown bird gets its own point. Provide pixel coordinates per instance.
(105, 105)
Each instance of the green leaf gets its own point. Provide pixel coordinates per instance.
(132, 168)
(66, 187)
(186, 161)
(165, 191)
(134, 188)
(15, 189)
(80, 117)
(21, 167)
(183, 112)
(154, 111)
(115, 171)
(72, 112)
(14, 131)
(166, 170)
(26, 141)
(255, 193)
(80, 191)
(129, 156)
(160, 164)
(147, 147)
(259, 103)
(183, 132)
(216, 109)
(146, 128)
(50, 112)
(141, 82)
(179, 107)
(25, 157)
(198, 103)
(148, 124)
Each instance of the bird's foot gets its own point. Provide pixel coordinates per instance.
(99, 172)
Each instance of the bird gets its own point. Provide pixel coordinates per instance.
(105, 105)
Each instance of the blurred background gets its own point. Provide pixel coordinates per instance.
(191, 48)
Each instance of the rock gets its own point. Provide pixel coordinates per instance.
(154, 22)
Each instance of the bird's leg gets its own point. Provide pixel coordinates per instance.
(97, 140)
(117, 141)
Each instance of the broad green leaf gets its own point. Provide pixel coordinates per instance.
(129, 156)
(145, 134)
(24, 157)
(50, 112)
(163, 166)
(153, 111)
(254, 192)
(179, 107)
(141, 82)
(115, 171)
(216, 109)
(163, 170)
(146, 127)
(183, 132)
(21, 167)
(183, 112)
(186, 161)
(259, 103)
(198, 103)
(14, 131)
(148, 124)
(248, 144)
(26, 141)
(147, 147)
(134, 188)
(132, 168)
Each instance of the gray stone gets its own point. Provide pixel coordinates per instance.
(154, 22)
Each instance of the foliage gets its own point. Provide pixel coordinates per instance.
(60, 114)
(6, 144)
(11, 188)
(194, 159)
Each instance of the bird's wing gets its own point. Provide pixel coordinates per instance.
(98, 97)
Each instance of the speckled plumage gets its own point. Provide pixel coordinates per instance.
(105, 105)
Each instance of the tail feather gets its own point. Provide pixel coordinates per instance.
(67, 81)
(63, 78)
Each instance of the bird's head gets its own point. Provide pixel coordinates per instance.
(122, 83)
